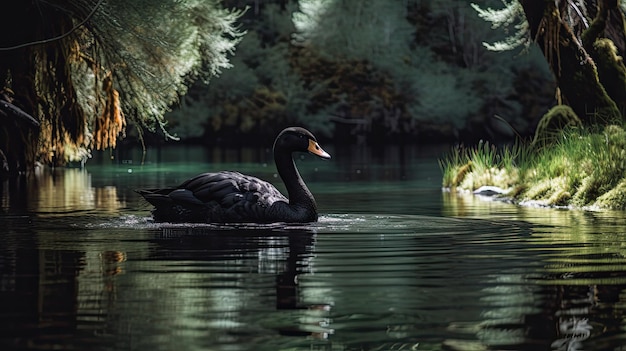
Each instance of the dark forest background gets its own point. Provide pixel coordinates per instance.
(368, 71)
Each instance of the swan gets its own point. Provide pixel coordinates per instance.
(233, 197)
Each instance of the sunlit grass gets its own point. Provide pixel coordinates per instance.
(582, 168)
(469, 168)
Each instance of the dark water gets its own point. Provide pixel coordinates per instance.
(393, 264)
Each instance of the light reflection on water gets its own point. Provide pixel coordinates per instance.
(393, 264)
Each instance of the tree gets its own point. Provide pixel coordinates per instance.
(373, 70)
(438, 79)
(260, 94)
(86, 70)
(578, 40)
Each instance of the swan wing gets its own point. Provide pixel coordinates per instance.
(216, 197)
(228, 188)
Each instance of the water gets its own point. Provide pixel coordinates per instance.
(394, 263)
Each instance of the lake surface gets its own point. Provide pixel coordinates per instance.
(394, 263)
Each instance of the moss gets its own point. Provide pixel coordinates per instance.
(517, 190)
(552, 124)
(583, 91)
(610, 68)
(560, 198)
(537, 190)
(587, 192)
(614, 199)
(615, 136)
(553, 192)
(611, 71)
(461, 173)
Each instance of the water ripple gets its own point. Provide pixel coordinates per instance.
(358, 281)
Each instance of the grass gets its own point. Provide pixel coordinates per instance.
(469, 168)
(582, 168)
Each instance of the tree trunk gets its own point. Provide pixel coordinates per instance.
(575, 71)
(18, 139)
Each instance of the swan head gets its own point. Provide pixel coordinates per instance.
(299, 139)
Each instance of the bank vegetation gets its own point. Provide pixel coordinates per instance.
(577, 156)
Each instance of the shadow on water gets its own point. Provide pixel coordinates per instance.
(391, 265)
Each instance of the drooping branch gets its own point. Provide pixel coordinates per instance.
(111, 123)
(92, 67)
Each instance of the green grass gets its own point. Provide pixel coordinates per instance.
(469, 168)
(581, 168)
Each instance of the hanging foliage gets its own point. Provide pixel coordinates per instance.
(88, 69)
(111, 123)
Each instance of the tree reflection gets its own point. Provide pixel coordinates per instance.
(39, 291)
(58, 191)
(78, 193)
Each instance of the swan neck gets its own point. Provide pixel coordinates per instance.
(299, 194)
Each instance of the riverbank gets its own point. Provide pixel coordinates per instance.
(582, 168)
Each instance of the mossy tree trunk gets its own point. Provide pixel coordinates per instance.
(582, 82)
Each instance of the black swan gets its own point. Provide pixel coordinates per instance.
(232, 197)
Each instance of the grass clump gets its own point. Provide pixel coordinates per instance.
(581, 167)
(469, 168)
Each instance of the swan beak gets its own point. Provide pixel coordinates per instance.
(315, 149)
